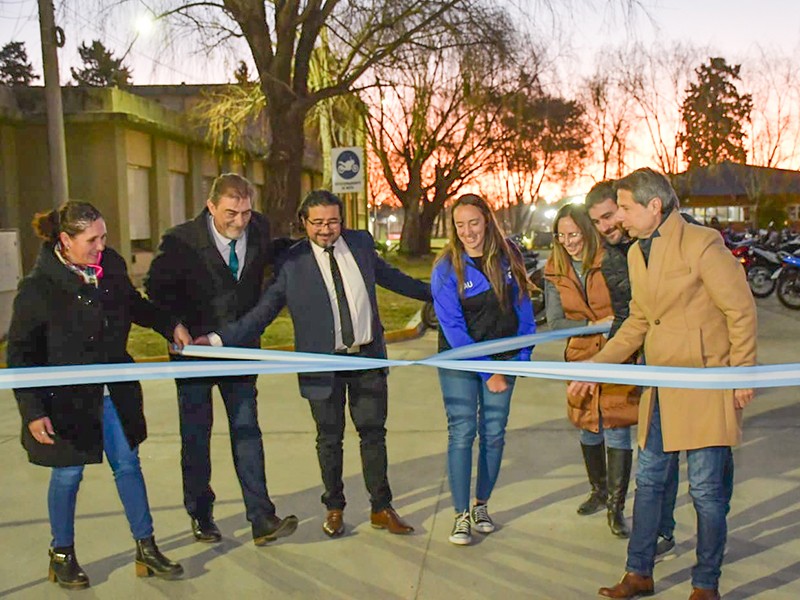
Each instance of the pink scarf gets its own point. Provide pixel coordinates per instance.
(90, 274)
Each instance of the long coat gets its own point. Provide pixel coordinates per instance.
(300, 287)
(690, 307)
(188, 277)
(618, 404)
(60, 320)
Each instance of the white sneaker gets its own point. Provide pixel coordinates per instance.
(480, 517)
(462, 530)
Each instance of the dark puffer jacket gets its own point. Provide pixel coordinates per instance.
(60, 320)
(614, 268)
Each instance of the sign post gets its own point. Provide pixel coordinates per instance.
(347, 169)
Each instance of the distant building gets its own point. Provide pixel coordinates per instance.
(134, 154)
(732, 192)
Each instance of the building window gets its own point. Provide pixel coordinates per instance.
(139, 203)
(177, 197)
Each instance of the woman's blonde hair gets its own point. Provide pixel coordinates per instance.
(495, 247)
(591, 239)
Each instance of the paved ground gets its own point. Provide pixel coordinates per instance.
(542, 550)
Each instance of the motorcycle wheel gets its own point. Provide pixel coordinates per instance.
(537, 300)
(759, 278)
(429, 316)
(788, 289)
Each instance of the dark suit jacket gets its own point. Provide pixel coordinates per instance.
(189, 278)
(299, 285)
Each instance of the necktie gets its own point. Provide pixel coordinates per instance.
(348, 337)
(233, 260)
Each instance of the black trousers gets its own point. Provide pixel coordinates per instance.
(196, 419)
(367, 394)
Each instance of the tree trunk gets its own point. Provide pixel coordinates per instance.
(284, 169)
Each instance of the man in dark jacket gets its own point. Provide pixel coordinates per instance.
(209, 271)
(328, 283)
(601, 204)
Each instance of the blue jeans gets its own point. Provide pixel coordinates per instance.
(710, 486)
(64, 482)
(667, 527)
(471, 408)
(196, 419)
(618, 437)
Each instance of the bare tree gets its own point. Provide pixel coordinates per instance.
(431, 126)
(656, 78)
(283, 37)
(775, 118)
(609, 113)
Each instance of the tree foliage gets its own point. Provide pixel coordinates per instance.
(547, 138)
(15, 68)
(715, 115)
(100, 68)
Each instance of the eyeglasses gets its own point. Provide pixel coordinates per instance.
(320, 224)
(575, 235)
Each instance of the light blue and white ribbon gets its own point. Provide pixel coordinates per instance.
(247, 361)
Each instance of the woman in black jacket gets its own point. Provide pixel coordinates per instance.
(76, 308)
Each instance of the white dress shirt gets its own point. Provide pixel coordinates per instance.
(223, 245)
(354, 287)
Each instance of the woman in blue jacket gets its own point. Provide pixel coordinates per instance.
(479, 291)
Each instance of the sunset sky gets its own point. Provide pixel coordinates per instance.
(733, 27)
(575, 32)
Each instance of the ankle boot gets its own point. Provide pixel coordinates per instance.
(619, 475)
(595, 459)
(65, 570)
(150, 561)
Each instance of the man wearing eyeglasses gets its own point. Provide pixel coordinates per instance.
(209, 271)
(328, 283)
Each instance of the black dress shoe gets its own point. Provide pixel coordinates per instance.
(205, 530)
(272, 527)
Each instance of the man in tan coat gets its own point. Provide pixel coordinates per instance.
(690, 307)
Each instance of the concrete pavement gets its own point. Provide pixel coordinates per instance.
(542, 549)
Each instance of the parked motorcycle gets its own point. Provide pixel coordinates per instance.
(788, 283)
(763, 264)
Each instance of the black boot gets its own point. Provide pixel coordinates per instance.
(150, 561)
(619, 475)
(65, 570)
(595, 459)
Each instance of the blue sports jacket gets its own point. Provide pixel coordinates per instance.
(457, 327)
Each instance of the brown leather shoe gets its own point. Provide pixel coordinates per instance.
(704, 594)
(389, 519)
(630, 586)
(333, 525)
